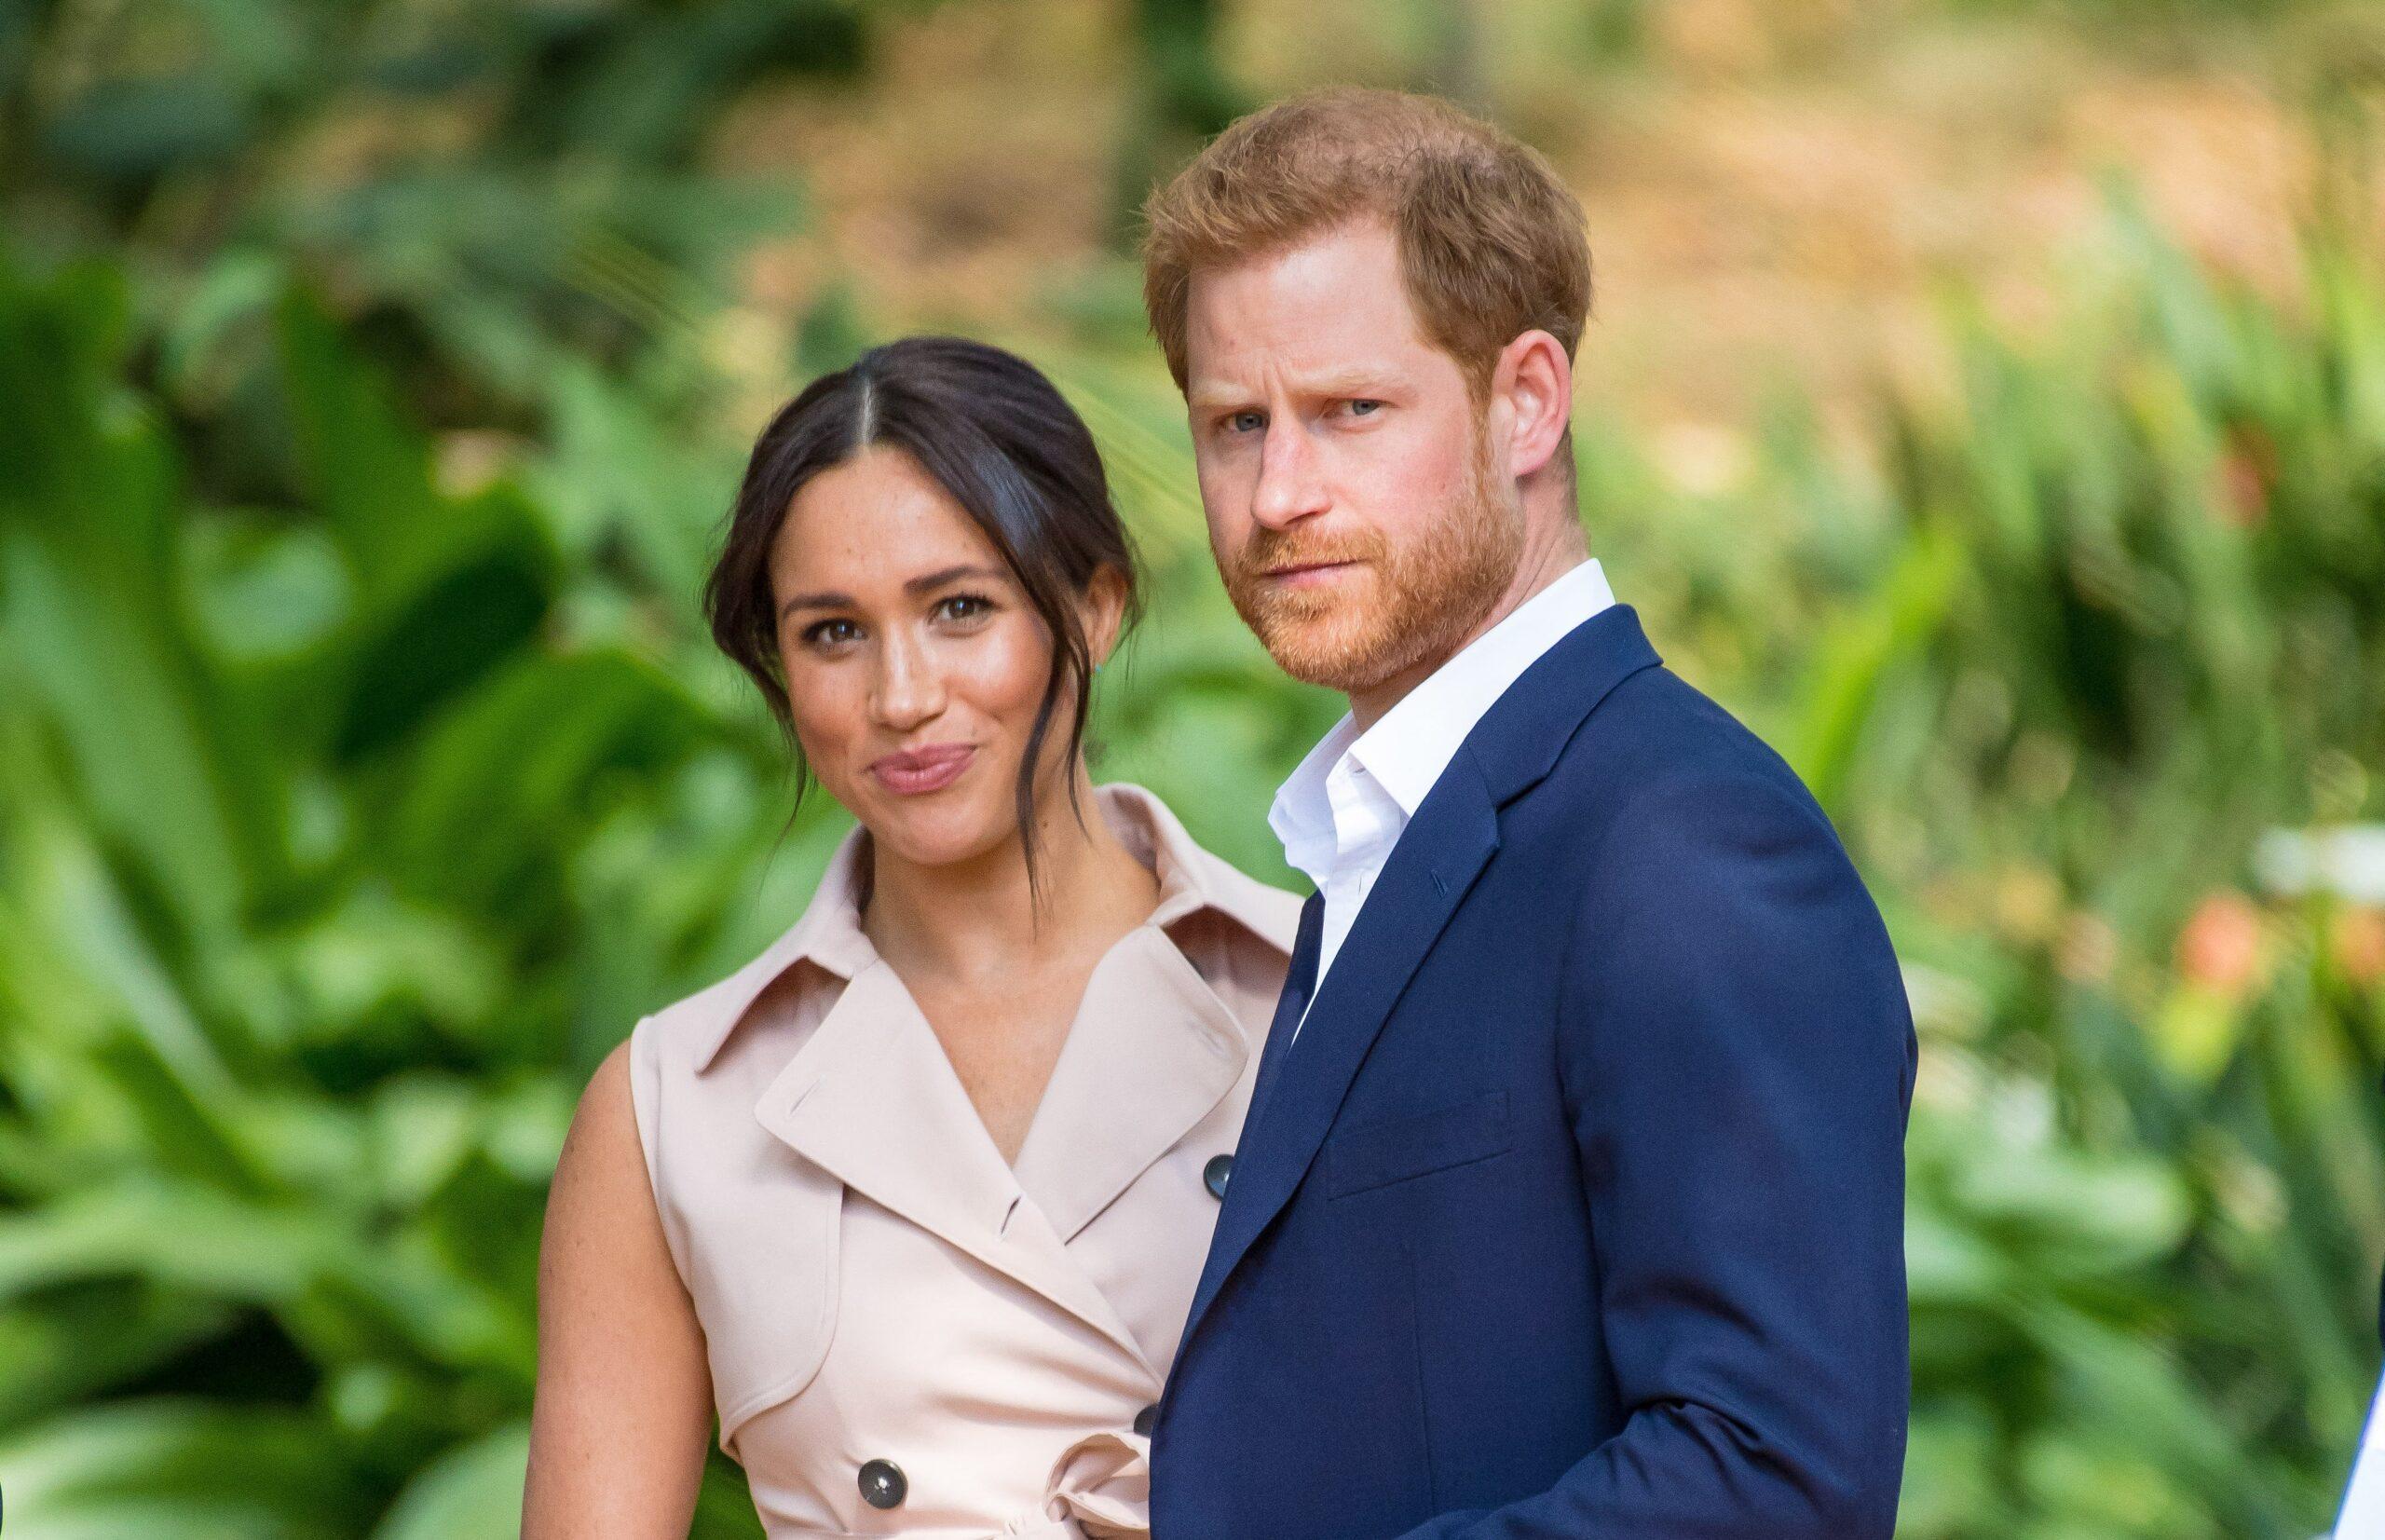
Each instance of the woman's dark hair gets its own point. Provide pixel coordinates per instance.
(990, 430)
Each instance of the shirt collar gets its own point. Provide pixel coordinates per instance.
(1302, 812)
(828, 934)
(1412, 743)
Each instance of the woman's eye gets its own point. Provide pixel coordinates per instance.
(819, 634)
(966, 600)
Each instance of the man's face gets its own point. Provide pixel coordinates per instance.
(1359, 519)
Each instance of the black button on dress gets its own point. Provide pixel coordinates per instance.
(883, 1484)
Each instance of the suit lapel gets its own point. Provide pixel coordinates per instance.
(1432, 866)
(1435, 861)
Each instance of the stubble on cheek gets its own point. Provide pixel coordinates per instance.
(1310, 631)
(1401, 607)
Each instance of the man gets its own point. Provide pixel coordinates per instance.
(1571, 1200)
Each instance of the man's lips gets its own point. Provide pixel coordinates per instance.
(1306, 572)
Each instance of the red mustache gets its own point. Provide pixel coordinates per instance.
(1270, 551)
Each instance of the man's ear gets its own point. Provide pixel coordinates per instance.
(1535, 380)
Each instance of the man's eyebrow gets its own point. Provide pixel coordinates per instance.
(1365, 384)
(832, 600)
(1214, 397)
(1348, 382)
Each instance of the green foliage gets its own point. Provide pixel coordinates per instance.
(297, 984)
(503, 188)
(356, 797)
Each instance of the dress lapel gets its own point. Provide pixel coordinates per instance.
(872, 1099)
(871, 1096)
(1153, 1052)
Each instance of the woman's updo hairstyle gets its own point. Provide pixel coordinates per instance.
(990, 430)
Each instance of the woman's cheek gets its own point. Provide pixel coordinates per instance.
(996, 683)
(825, 723)
(1005, 674)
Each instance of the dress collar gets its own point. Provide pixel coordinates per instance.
(870, 1096)
(828, 934)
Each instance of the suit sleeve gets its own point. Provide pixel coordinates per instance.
(1737, 1059)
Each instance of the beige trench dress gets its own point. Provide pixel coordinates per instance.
(890, 1308)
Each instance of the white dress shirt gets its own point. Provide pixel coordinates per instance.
(2364, 1511)
(1341, 810)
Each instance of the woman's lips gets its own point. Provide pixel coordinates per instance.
(910, 774)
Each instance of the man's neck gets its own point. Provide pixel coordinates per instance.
(1544, 560)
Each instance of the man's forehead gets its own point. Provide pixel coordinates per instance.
(1354, 339)
(1318, 272)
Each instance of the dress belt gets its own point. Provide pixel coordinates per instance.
(1099, 1489)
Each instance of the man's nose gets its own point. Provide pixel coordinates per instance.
(1290, 484)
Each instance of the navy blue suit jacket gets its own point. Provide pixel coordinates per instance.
(1577, 1208)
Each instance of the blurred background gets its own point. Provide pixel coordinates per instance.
(1986, 398)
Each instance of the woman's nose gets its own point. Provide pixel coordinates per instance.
(909, 690)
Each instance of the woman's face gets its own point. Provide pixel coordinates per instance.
(913, 662)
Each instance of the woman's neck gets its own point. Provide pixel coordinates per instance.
(972, 921)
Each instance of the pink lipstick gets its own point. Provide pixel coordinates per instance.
(912, 773)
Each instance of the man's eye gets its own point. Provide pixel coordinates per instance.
(1363, 407)
(1242, 422)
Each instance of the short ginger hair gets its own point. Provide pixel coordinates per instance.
(1489, 239)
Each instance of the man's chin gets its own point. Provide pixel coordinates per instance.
(1315, 654)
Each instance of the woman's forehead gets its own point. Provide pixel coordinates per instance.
(880, 516)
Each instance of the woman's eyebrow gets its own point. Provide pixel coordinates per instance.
(937, 579)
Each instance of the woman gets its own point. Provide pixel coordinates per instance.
(916, 1201)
